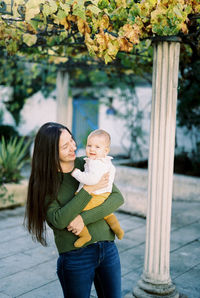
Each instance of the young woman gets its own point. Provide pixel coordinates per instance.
(52, 199)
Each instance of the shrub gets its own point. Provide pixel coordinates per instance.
(5, 197)
(8, 131)
(13, 156)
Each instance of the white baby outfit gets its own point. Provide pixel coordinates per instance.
(93, 171)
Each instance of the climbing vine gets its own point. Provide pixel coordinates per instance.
(103, 28)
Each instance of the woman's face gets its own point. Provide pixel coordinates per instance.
(67, 147)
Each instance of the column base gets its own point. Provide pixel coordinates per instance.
(149, 290)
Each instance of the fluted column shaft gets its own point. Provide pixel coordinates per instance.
(64, 102)
(156, 275)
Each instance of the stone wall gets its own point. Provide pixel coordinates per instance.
(133, 184)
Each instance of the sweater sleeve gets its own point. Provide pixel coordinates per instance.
(60, 217)
(91, 177)
(110, 205)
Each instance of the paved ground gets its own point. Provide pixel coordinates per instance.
(28, 270)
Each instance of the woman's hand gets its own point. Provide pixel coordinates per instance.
(76, 225)
(103, 182)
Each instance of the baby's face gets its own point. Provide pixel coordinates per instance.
(96, 147)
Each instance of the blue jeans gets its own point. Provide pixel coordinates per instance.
(98, 263)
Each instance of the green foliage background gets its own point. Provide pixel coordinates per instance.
(112, 31)
(25, 79)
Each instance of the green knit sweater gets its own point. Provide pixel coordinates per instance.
(60, 214)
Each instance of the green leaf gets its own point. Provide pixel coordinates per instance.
(94, 9)
(107, 58)
(33, 8)
(34, 24)
(29, 39)
(66, 6)
(61, 14)
(12, 47)
(79, 10)
(103, 4)
(49, 8)
(177, 11)
(15, 7)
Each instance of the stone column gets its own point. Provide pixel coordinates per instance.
(156, 274)
(64, 102)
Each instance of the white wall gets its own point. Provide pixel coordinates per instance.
(117, 128)
(5, 94)
(39, 110)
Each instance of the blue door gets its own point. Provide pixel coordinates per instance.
(85, 119)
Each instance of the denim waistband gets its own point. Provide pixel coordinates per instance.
(90, 245)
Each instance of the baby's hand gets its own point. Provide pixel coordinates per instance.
(76, 225)
(103, 183)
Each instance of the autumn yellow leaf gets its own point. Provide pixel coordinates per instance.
(104, 23)
(83, 26)
(58, 60)
(102, 40)
(96, 20)
(72, 18)
(197, 7)
(125, 45)
(30, 28)
(131, 32)
(113, 48)
(184, 28)
(107, 58)
(65, 23)
(160, 11)
(121, 3)
(90, 42)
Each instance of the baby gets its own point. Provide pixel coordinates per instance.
(97, 163)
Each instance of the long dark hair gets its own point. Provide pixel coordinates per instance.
(44, 180)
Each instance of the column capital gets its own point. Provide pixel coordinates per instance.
(172, 38)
